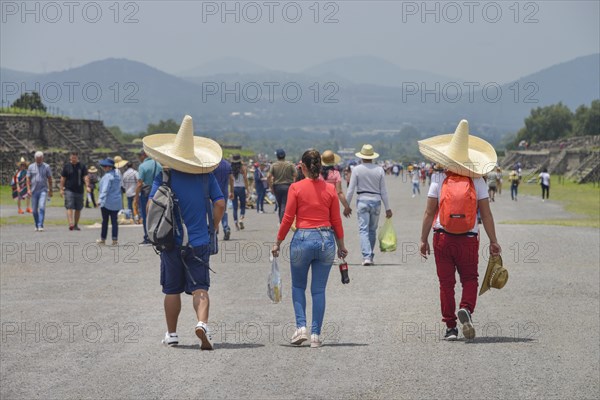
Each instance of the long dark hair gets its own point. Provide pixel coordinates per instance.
(236, 168)
(312, 160)
(325, 171)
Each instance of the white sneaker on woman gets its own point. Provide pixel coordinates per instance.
(315, 341)
(299, 336)
(171, 339)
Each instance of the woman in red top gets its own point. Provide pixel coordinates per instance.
(314, 203)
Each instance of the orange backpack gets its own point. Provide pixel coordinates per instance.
(457, 204)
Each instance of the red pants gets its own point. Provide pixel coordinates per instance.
(454, 253)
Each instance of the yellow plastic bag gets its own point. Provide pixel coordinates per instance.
(387, 237)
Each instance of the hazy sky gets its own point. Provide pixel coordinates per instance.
(485, 41)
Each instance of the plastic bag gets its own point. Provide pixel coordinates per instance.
(274, 283)
(387, 237)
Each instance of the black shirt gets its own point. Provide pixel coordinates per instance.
(73, 175)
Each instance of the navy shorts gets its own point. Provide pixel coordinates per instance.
(175, 277)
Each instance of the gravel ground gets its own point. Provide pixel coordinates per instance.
(80, 321)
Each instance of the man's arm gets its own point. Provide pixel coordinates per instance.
(231, 186)
(50, 185)
(270, 181)
(488, 224)
(62, 186)
(430, 211)
(218, 212)
(384, 197)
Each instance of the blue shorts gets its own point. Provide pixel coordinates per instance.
(174, 276)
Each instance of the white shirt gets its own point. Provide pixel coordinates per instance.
(481, 191)
(545, 177)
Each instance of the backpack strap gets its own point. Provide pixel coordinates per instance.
(209, 205)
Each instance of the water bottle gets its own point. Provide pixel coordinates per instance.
(344, 272)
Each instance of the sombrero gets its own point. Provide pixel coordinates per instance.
(496, 275)
(119, 162)
(367, 153)
(183, 151)
(22, 161)
(460, 152)
(329, 158)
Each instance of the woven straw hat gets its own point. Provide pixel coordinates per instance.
(496, 275)
(22, 161)
(119, 162)
(329, 158)
(460, 152)
(92, 169)
(183, 151)
(367, 153)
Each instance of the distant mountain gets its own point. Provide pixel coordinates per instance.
(226, 65)
(132, 95)
(375, 71)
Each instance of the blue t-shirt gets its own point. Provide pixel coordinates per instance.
(189, 189)
(147, 168)
(222, 173)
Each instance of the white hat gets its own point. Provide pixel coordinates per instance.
(460, 152)
(367, 153)
(184, 152)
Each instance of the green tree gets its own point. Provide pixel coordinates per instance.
(30, 101)
(587, 120)
(547, 123)
(168, 126)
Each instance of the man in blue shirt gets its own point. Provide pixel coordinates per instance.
(147, 171)
(190, 160)
(224, 178)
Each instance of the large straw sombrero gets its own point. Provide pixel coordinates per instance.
(183, 151)
(496, 275)
(460, 152)
(367, 153)
(22, 161)
(329, 158)
(119, 162)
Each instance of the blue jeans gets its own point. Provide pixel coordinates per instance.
(106, 214)
(143, 203)
(38, 205)
(260, 197)
(368, 217)
(316, 249)
(415, 188)
(130, 203)
(225, 220)
(513, 191)
(239, 194)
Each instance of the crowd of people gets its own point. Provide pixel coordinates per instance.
(460, 171)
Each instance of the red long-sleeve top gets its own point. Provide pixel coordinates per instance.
(314, 204)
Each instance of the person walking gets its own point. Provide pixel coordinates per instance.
(368, 180)
(147, 171)
(329, 160)
(189, 161)
(74, 181)
(514, 180)
(260, 183)
(110, 200)
(92, 181)
(415, 179)
(19, 186)
(238, 190)
(314, 205)
(492, 183)
(39, 188)
(544, 179)
(453, 200)
(499, 184)
(225, 179)
(281, 175)
(129, 184)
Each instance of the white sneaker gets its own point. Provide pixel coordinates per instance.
(367, 262)
(171, 339)
(37, 229)
(299, 336)
(315, 341)
(41, 229)
(100, 242)
(204, 336)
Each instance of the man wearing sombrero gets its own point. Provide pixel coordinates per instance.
(452, 204)
(190, 160)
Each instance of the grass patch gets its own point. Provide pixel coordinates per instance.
(579, 199)
(28, 112)
(227, 153)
